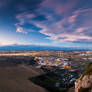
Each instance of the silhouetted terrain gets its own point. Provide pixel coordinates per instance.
(14, 75)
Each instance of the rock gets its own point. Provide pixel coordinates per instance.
(84, 83)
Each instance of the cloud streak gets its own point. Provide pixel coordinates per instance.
(62, 24)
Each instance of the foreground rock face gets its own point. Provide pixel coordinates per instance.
(84, 83)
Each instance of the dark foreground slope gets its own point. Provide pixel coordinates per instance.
(15, 79)
(19, 74)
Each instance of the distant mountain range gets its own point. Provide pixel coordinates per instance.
(38, 48)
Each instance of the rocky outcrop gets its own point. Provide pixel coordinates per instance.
(84, 83)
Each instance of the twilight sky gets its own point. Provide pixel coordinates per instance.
(65, 23)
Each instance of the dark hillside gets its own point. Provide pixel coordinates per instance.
(14, 75)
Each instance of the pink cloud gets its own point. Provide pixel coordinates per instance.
(20, 30)
(79, 30)
(80, 11)
(72, 18)
(59, 32)
(30, 15)
(58, 6)
(68, 37)
(63, 30)
(23, 18)
(72, 38)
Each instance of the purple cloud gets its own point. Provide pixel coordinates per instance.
(59, 6)
(63, 24)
